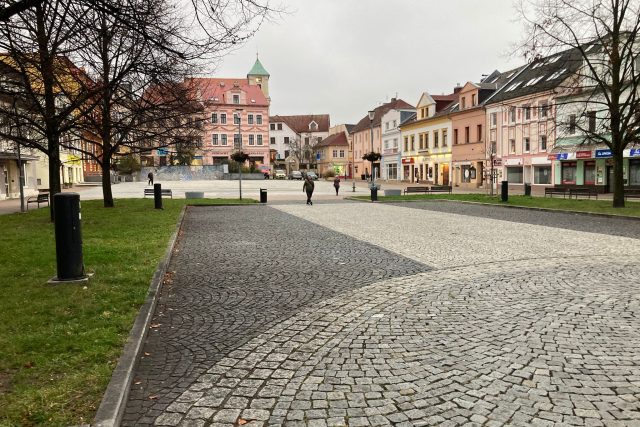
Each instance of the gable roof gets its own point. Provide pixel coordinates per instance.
(258, 69)
(380, 111)
(208, 89)
(541, 75)
(300, 123)
(337, 139)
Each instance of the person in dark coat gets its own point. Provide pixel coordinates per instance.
(150, 176)
(308, 187)
(336, 184)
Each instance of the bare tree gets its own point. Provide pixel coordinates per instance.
(603, 98)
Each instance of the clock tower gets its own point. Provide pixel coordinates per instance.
(260, 77)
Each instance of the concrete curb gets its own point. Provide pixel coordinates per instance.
(113, 402)
(532, 208)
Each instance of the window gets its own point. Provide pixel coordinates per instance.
(272, 126)
(473, 99)
(286, 140)
(426, 140)
(592, 120)
(527, 145)
(421, 141)
(543, 143)
(512, 146)
(214, 139)
(589, 173)
(514, 175)
(272, 140)
(250, 119)
(395, 124)
(463, 103)
(237, 119)
(406, 143)
(392, 171)
(223, 118)
(542, 175)
(512, 114)
(223, 139)
(466, 173)
(252, 140)
(494, 119)
(237, 140)
(444, 138)
(569, 173)
(466, 135)
(455, 137)
(634, 172)
(335, 153)
(386, 126)
(236, 99)
(480, 138)
(413, 142)
(527, 112)
(572, 124)
(259, 139)
(259, 121)
(436, 135)
(342, 154)
(214, 118)
(544, 109)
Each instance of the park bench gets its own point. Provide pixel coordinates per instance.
(165, 192)
(440, 189)
(584, 192)
(631, 194)
(550, 191)
(40, 198)
(409, 190)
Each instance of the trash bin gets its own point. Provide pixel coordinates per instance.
(504, 194)
(263, 195)
(70, 265)
(374, 194)
(527, 189)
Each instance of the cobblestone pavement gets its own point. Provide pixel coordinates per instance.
(481, 322)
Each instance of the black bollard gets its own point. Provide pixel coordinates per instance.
(374, 194)
(527, 189)
(69, 260)
(157, 196)
(505, 191)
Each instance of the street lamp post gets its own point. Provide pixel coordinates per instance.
(353, 165)
(239, 148)
(372, 114)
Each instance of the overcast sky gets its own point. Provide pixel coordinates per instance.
(343, 57)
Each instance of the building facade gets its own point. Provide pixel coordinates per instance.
(292, 139)
(391, 161)
(334, 152)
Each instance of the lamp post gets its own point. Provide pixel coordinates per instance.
(20, 167)
(239, 148)
(372, 114)
(353, 165)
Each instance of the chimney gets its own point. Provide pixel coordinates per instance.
(394, 99)
(457, 89)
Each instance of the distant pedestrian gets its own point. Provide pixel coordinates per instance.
(150, 176)
(308, 188)
(336, 184)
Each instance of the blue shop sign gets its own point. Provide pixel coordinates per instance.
(603, 154)
(562, 156)
(634, 152)
(162, 151)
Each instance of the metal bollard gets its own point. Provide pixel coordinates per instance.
(157, 196)
(374, 194)
(69, 262)
(527, 189)
(505, 191)
(263, 195)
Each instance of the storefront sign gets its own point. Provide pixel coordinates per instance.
(408, 161)
(551, 157)
(497, 162)
(584, 154)
(603, 154)
(634, 152)
(162, 151)
(562, 156)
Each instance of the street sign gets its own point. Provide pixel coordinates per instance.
(603, 154)
(634, 152)
(162, 151)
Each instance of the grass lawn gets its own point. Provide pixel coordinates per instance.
(595, 206)
(59, 344)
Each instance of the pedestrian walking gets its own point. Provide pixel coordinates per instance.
(336, 184)
(308, 188)
(150, 176)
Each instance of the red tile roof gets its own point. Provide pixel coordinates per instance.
(209, 88)
(300, 123)
(399, 104)
(337, 139)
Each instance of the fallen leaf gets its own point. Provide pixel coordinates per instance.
(242, 421)
(138, 382)
(147, 354)
(153, 397)
(29, 365)
(156, 325)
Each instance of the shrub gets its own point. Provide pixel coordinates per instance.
(329, 173)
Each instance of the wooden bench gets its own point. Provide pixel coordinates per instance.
(409, 190)
(165, 192)
(584, 192)
(40, 198)
(550, 191)
(440, 189)
(631, 194)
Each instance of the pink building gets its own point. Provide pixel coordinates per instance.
(237, 116)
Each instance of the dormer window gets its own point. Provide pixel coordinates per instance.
(464, 103)
(473, 100)
(313, 126)
(236, 99)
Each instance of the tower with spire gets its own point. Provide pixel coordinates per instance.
(260, 77)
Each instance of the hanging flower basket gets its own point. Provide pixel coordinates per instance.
(372, 156)
(239, 157)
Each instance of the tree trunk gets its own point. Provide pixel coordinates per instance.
(107, 195)
(618, 179)
(54, 173)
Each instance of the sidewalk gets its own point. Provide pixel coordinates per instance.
(11, 206)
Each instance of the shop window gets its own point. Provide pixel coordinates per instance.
(515, 175)
(392, 171)
(542, 175)
(569, 173)
(465, 172)
(589, 173)
(634, 172)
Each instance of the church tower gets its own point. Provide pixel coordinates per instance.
(259, 76)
